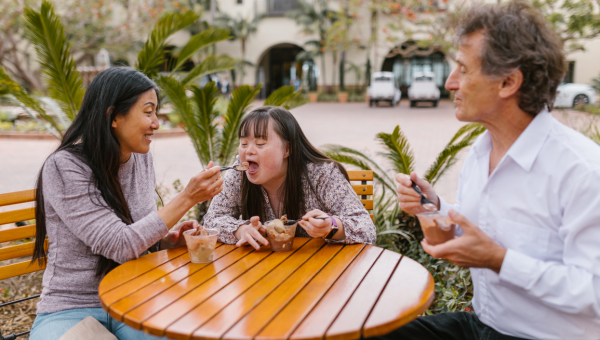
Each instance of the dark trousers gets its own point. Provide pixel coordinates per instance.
(446, 326)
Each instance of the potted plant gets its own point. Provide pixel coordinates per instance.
(342, 96)
(313, 96)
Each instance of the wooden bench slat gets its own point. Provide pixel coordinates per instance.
(17, 233)
(19, 268)
(17, 215)
(402, 300)
(320, 318)
(17, 197)
(360, 175)
(294, 312)
(187, 323)
(19, 250)
(229, 316)
(368, 204)
(363, 189)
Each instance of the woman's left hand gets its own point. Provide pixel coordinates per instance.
(314, 227)
(175, 236)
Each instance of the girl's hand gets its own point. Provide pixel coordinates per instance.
(314, 227)
(175, 236)
(251, 233)
(205, 185)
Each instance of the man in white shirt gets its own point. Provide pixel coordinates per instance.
(529, 191)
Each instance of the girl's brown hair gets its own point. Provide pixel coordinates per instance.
(301, 153)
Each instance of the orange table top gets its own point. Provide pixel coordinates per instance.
(316, 291)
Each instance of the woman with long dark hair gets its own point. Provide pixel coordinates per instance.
(287, 175)
(96, 202)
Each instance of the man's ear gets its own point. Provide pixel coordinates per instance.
(511, 84)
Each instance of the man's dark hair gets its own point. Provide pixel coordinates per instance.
(517, 36)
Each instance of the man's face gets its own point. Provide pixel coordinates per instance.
(475, 94)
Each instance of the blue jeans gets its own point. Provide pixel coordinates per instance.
(51, 326)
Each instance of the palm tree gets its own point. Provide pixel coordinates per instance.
(388, 217)
(315, 19)
(65, 87)
(241, 29)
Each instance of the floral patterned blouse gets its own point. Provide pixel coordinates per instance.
(333, 194)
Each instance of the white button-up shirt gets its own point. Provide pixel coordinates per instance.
(541, 203)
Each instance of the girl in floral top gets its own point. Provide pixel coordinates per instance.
(287, 175)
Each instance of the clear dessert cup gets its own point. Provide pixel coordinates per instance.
(281, 237)
(201, 248)
(437, 226)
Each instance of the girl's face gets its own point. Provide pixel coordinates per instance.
(268, 157)
(134, 130)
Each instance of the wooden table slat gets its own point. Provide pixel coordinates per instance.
(144, 305)
(143, 280)
(294, 312)
(253, 322)
(132, 269)
(349, 323)
(228, 316)
(186, 322)
(402, 300)
(322, 316)
(222, 256)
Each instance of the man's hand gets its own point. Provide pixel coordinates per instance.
(410, 200)
(174, 237)
(250, 233)
(474, 249)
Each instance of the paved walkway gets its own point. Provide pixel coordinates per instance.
(353, 125)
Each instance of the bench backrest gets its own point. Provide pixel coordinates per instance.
(17, 233)
(365, 188)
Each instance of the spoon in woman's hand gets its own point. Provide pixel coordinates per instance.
(240, 167)
(290, 222)
(425, 203)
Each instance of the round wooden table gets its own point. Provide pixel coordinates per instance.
(316, 291)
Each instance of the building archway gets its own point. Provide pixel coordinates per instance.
(408, 58)
(280, 65)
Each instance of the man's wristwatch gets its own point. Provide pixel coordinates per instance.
(334, 228)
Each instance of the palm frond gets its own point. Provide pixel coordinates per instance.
(354, 157)
(45, 31)
(464, 129)
(447, 158)
(280, 96)
(152, 54)
(399, 152)
(205, 113)
(241, 98)
(210, 65)
(199, 41)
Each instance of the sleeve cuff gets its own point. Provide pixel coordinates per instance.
(517, 268)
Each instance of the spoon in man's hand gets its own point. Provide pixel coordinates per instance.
(240, 167)
(425, 203)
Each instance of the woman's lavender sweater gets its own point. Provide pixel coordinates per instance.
(80, 227)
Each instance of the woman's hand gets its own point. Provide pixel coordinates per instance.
(175, 236)
(320, 228)
(410, 200)
(250, 233)
(205, 185)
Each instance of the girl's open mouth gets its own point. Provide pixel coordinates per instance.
(252, 167)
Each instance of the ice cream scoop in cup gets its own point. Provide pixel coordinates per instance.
(437, 226)
(201, 244)
(281, 235)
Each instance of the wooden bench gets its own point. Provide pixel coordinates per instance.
(20, 250)
(364, 190)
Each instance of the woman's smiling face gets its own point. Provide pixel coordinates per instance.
(267, 156)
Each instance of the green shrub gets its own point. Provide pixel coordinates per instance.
(327, 97)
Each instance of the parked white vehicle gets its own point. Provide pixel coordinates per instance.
(383, 89)
(570, 95)
(423, 89)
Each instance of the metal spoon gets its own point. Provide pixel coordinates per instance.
(290, 222)
(425, 203)
(240, 167)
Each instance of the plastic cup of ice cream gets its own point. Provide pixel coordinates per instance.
(437, 226)
(201, 248)
(281, 237)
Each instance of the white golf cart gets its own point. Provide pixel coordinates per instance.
(423, 89)
(383, 89)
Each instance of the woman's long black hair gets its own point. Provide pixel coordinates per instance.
(91, 138)
(301, 152)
